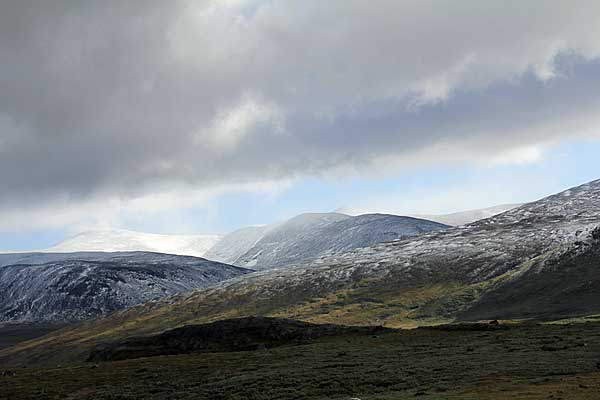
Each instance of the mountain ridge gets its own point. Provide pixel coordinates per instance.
(231, 248)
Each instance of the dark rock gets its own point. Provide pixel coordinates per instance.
(240, 334)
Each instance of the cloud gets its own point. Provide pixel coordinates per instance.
(163, 210)
(119, 99)
(231, 126)
(522, 155)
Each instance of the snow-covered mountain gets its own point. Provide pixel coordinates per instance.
(469, 216)
(63, 287)
(312, 235)
(287, 240)
(235, 244)
(124, 240)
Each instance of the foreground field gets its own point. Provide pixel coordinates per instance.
(454, 362)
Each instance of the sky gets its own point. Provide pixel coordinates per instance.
(205, 116)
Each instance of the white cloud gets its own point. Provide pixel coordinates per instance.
(106, 103)
(109, 212)
(475, 192)
(232, 125)
(518, 156)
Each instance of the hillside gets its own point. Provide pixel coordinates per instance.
(124, 240)
(77, 286)
(436, 277)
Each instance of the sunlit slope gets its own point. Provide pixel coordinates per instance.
(124, 240)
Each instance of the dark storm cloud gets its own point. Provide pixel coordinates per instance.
(117, 97)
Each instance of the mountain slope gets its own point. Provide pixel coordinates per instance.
(280, 243)
(123, 240)
(367, 230)
(235, 244)
(469, 216)
(435, 277)
(558, 284)
(56, 288)
(308, 236)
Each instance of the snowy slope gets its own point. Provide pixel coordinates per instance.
(63, 287)
(274, 247)
(467, 217)
(243, 246)
(308, 236)
(486, 248)
(235, 244)
(124, 240)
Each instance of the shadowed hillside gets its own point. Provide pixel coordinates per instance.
(62, 287)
